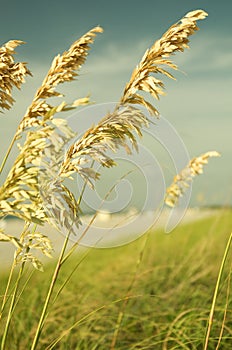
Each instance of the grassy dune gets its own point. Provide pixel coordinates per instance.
(155, 293)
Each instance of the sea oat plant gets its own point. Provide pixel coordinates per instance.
(41, 165)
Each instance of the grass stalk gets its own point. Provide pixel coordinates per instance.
(15, 293)
(225, 311)
(12, 306)
(8, 152)
(65, 332)
(216, 291)
(49, 294)
(129, 289)
(59, 264)
(6, 293)
(75, 245)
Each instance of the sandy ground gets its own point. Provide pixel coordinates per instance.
(107, 230)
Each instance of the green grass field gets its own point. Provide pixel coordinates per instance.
(155, 293)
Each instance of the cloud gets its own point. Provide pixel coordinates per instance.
(107, 71)
(207, 54)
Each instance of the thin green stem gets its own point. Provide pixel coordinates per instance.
(211, 314)
(76, 244)
(44, 313)
(70, 276)
(11, 308)
(65, 332)
(8, 152)
(82, 193)
(15, 292)
(60, 262)
(225, 310)
(6, 294)
(129, 289)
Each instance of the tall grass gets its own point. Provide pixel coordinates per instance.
(36, 192)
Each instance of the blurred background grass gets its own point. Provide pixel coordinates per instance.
(174, 277)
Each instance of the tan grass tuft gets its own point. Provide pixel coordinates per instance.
(22, 194)
(11, 74)
(32, 179)
(109, 134)
(155, 58)
(117, 128)
(34, 172)
(19, 195)
(32, 242)
(63, 69)
(182, 180)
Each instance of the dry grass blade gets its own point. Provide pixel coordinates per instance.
(36, 165)
(155, 58)
(63, 69)
(109, 134)
(182, 180)
(8, 238)
(32, 240)
(216, 292)
(62, 209)
(19, 195)
(64, 66)
(11, 74)
(22, 195)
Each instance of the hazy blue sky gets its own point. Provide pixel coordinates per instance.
(198, 104)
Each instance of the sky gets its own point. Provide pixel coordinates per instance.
(198, 104)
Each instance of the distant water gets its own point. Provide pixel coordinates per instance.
(115, 225)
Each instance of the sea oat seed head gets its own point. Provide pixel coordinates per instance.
(182, 180)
